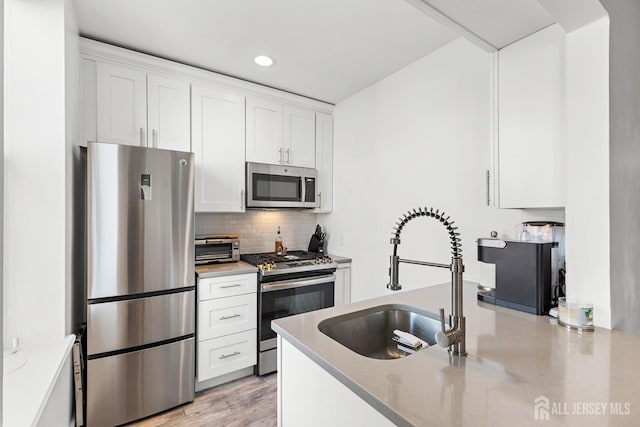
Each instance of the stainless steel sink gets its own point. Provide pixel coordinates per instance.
(369, 332)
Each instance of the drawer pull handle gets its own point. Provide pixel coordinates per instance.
(231, 286)
(229, 317)
(226, 356)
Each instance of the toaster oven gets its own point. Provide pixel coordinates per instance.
(216, 248)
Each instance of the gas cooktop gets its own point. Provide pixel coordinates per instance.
(293, 261)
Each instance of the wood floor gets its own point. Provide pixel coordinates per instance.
(249, 401)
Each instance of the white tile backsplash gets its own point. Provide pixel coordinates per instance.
(258, 229)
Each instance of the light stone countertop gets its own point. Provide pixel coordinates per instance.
(513, 359)
(340, 259)
(224, 269)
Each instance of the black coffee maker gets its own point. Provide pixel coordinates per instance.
(523, 274)
(316, 244)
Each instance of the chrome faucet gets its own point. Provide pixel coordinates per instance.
(454, 337)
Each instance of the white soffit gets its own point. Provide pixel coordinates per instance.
(573, 14)
(498, 22)
(323, 49)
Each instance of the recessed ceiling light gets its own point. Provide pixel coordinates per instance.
(263, 60)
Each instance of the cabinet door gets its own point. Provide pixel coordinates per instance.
(264, 132)
(168, 112)
(343, 284)
(122, 105)
(299, 137)
(324, 162)
(531, 162)
(217, 124)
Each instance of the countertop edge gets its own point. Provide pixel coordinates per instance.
(340, 259)
(375, 403)
(224, 269)
(34, 382)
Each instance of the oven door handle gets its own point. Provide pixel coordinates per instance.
(288, 284)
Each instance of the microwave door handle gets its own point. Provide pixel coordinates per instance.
(289, 284)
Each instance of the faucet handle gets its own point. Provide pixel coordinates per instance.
(442, 323)
(441, 336)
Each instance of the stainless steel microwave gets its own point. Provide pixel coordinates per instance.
(278, 186)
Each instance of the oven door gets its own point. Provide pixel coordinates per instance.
(289, 297)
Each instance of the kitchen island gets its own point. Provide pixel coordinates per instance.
(521, 369)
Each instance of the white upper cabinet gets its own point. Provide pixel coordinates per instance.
(218, 144)
(264, 131)
(280, 134)
(324, 162)
(299, 137)
(168, 104)
(134, 108)
(531, 103)
(135, 99)
(122, 105)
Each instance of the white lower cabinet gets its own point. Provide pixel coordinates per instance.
(227, 325)
(309, 396)
(226, 354)
(226, 286)
(343, 285)
(224, 316)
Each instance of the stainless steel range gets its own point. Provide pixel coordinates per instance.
(290, 284)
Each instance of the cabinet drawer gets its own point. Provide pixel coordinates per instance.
(220, 356)
(226, 286)
(225, 316)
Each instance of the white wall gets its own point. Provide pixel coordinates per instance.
(35, 176)
(587, 212)
(73, 173)
(417, 138)
(1, 175)
(624, 172)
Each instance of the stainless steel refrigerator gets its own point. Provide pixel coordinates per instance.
(140, 282)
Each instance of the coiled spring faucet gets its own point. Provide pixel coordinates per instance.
(454, 337)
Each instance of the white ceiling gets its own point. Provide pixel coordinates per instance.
(324, 49)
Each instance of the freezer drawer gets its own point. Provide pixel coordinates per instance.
(119, 325)
(133, 385)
